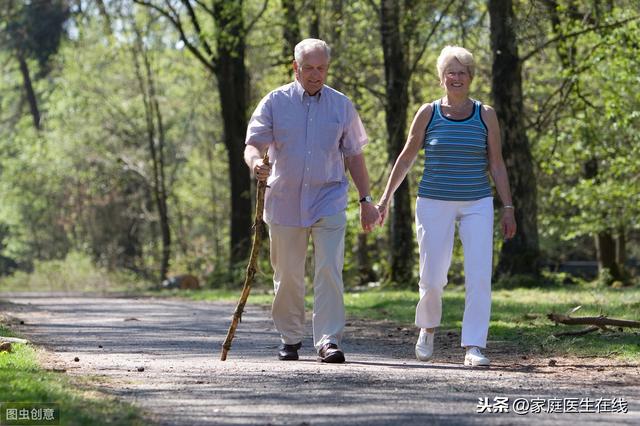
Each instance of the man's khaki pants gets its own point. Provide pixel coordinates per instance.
(288, 254)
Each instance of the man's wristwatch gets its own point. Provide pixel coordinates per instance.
(366, 199)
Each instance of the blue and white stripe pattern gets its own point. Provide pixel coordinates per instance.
(455, 164)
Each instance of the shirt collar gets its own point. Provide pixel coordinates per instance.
(301, 93)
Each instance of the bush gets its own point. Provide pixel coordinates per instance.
(518, 281)
(75, 273)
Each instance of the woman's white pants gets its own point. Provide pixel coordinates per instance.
(435, 227)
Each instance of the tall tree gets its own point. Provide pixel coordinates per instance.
(397, 74)
(569, 22)
(399, 30)
(156, 142)
(521, 254)
(33, 30)
(225, 60)
(291, 29)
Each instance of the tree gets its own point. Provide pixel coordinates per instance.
(399, 29)
(33, 30)
(225, 61)
(156, 141)
(521, 254)
(593, 192)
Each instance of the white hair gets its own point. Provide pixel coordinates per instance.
(449, 53)
(308, 45)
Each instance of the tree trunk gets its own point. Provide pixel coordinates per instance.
(227, 64)
(365, 271)
(214, 209)
(160, 187)
(621, 248)
(29, 92)
(314, 23)
(397, 101)
(232, 85)
(521, 254)
(155, 143)
(606, 251)
(291, 31)
(336, 41)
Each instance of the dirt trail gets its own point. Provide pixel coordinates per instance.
(177, 343)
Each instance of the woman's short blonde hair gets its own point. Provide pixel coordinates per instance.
(449, 53)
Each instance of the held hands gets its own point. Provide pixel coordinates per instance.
(369, 216)
(383, 210)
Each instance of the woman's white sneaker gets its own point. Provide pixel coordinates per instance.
(424, 346)
(475, 358)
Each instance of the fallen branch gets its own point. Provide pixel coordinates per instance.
(600, 321)
(578, 332)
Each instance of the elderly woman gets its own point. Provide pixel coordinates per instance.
(461, 139)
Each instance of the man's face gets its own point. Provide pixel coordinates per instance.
(312, 72)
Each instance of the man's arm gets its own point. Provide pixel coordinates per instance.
(357, 167)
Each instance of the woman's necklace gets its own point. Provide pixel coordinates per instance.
(456, 110)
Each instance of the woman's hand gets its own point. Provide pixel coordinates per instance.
(508, 223)
(383, 211)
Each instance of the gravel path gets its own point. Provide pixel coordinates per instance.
(183, 382)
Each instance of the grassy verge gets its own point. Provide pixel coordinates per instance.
(22, 380)
(518, 316)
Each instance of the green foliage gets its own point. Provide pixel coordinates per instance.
(518, 315)
(35, 28)
(83, 183)
(76, 272)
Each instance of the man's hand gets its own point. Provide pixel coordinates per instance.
(369, 216)
(260, 170)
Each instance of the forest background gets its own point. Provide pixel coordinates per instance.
(122, 127)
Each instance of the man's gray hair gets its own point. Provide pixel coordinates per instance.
(308, 45)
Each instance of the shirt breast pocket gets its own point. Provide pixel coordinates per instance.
(330, 138)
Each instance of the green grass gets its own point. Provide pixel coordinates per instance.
(518, 316)
(23, 380)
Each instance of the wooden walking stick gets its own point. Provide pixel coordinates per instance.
(258, 231)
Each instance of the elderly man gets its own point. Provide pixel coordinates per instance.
(311, 132)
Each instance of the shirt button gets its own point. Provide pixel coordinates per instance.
(307, 169)
(309, 152)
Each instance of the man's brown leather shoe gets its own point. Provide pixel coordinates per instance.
(289, 352)
(329, 352)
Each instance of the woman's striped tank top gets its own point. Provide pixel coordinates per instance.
(455, 164)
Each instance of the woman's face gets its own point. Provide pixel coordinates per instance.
(456, 78)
